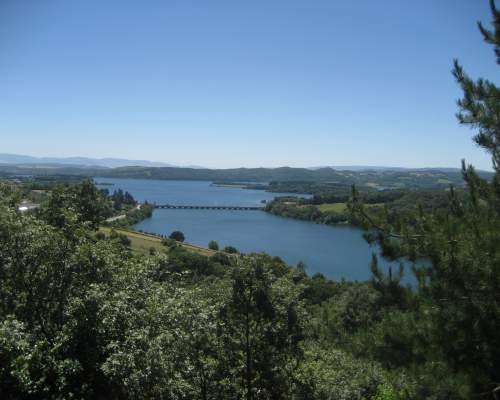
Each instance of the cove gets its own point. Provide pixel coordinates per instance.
(335, 251)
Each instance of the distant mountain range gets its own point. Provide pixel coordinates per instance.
(19, 159)
(379, 177)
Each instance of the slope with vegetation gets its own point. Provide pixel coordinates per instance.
(280, 178)
(82, 316)
(330, 206)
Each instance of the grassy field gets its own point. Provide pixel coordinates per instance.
(341, 207)
(142, 242)
(336, 207)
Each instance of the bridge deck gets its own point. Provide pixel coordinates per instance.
(184, 207)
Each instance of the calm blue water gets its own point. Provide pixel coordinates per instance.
(192, 193)
(337, 252)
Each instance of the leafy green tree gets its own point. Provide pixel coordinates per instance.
(48, 342)
(319, 289)
(9, 194)
(178, 236)
(230, 250)
(385, 392)
(163, 338)
(301, 267)
(329, 373)
(355, 308)
(120, 198)
(213, 245)
(263, 321)
(81, 203)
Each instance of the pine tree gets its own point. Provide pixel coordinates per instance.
(460, 288)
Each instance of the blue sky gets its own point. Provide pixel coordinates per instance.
(240, 83)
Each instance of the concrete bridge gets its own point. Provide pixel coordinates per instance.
(182, 207)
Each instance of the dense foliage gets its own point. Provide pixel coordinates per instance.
(458, 297)
(122, 199)
(133, 216)
(391, 203)
(84, 316)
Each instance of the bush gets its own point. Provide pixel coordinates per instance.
(230, 249)
(221, 258)
(177, 236)
(100, 236)
(213, 245)
(167, 242)
(123, 239)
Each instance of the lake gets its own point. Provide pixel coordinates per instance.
(335, 251)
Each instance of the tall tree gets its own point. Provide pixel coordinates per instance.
(80, 203)
(264, 328)
(460, 288)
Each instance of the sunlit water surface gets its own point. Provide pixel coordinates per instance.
(335, 251)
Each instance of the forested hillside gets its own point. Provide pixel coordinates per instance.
(85, 316)
(282, 177)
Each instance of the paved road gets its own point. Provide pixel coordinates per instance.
(121, 216)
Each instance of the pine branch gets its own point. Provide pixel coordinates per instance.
(358, 207)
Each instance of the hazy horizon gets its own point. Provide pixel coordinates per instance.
(197, 166)
(226, 85)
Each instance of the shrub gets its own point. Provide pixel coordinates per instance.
(213, 245)
(177, 236)
(230, 249)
